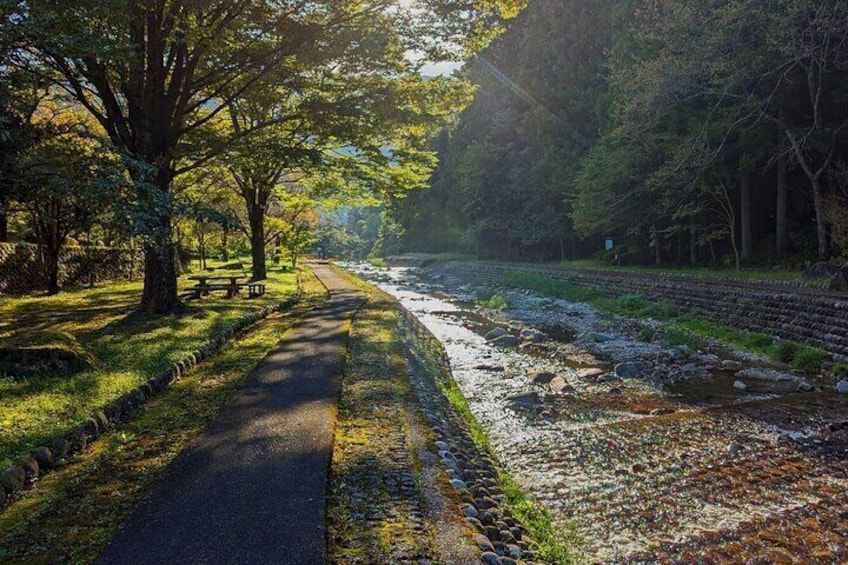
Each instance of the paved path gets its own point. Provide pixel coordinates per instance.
(252, 488)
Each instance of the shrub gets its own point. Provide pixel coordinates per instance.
(808, 359)
(783, 351)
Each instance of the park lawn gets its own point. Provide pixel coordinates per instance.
(127, 349)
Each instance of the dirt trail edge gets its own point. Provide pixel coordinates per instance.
(252, 488)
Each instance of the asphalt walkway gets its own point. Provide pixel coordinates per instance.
(252, 488)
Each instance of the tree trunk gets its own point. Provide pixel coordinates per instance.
(52, 249)
(821, 220)
(780, 214)
(655, 237)
(693, 245)
(225, 253)
(160, 254)
(4, 225)
(256, 217)
(745, 218)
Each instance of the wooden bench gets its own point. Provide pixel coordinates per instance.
(254, 289)
(229, 283)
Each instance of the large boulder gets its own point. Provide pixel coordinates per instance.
(839, 280)
(505, 341)
(820, 270)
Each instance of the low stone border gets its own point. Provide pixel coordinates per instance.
(501, 538)
(16, 477)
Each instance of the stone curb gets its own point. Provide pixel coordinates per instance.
(41, 460)
(500, 537)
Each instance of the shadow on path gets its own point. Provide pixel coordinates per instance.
(252, 488)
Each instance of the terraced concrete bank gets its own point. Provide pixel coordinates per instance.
(813, 316)
(252, 488)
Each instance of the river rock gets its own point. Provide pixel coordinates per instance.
(730, 365)
(804, 386)
(628, 370)
(590, 373)
(490, 368)
(505, 341)
(842, 387)
(598, 337)
(523, 401)
(560, 386)
(739, 385)
(820, 270)
(532, 335)
(839, 280)
(689, 369)
(541, 377)
(496, 333)
(677, 353)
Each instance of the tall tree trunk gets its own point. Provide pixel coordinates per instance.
(4, 224)
(256, 217)
(780, 213)
(160, 262)
(693, 245)
(52, 249)
(821, 219)
(655, 237)
(745, 218)
(225, 253)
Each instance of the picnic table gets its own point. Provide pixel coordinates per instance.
(205, 284)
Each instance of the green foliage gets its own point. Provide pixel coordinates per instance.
(551, 287)
(808, 359)
(840, 370)
(784, 351)
(494, 302)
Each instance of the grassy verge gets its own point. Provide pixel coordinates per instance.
(73, 512)
(124, 348)
(678, 329)
(369, 519)
(707, 272)
(556, 543)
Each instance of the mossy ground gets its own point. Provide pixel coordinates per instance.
(71, 513)
(379, 507)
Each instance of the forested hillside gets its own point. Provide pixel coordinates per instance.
(690, 131)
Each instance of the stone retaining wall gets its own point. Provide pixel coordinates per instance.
(808, 315)
(22, 266)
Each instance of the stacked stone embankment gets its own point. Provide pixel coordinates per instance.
(812, 316)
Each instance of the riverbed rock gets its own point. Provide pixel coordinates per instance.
(804, 386)
(628, 370)
(560, 386)
(496, 333)
(523, 401)
(598, 337)
(689, 369)
(730, 365)
(590, 373)
(820, 270)
(739, 385)
(678, 353)
(842, 387)
(839, 280)
(733, 449)
(490, 368)
(541, 377)
(505, 341)
(532, 335)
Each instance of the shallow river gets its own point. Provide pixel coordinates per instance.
(696, 470)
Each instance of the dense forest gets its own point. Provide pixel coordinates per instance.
(688, 131)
